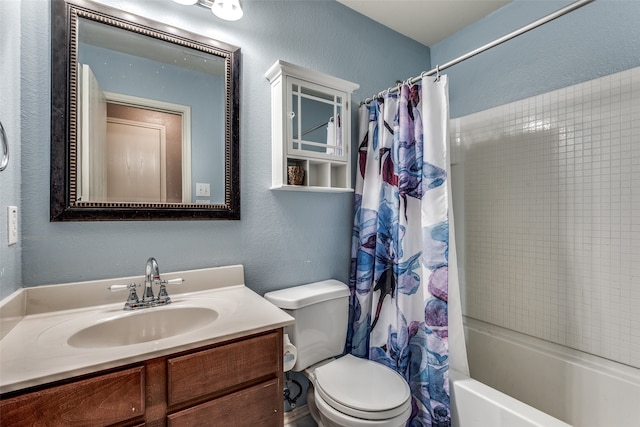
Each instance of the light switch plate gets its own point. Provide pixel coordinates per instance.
(12, 225)
(203, 189)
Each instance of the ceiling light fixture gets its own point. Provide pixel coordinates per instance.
(229, 10)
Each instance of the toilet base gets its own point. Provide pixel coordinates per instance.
(313, 408)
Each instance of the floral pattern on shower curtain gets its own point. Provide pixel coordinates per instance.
(399, 265)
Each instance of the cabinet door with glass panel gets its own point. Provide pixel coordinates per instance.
(311, 129)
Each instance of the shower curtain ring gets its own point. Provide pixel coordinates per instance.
(437, 73)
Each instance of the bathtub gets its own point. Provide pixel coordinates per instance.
(517, 373)
(474, 404)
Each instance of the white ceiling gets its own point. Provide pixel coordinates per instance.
(426, 21)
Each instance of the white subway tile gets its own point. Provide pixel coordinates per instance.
(552, 234)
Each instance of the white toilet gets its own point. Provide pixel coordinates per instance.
(346, 391)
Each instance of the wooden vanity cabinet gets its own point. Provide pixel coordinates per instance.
(238, 384)
(235, 383)
(106, 399)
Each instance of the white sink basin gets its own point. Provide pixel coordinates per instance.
(56, 332)
(143, 326)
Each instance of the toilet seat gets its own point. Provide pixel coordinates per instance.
(362, 388)
(331, 417)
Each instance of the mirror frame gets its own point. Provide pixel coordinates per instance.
(64, 39)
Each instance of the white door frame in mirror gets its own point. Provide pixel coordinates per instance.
(166, 107)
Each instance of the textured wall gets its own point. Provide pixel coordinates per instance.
(10, 256)
(284, 238)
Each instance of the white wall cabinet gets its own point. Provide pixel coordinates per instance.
(310, 128)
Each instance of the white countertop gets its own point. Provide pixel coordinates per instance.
(34, 348)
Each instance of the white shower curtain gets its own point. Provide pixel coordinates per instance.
(403, 275)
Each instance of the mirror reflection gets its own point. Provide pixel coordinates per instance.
(144, 119)
(316, 120)
(148, 108)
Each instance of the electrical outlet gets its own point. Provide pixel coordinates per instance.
(12, 225)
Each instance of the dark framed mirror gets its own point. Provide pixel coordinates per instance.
(144, 119)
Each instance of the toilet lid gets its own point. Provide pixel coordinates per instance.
(352, 385)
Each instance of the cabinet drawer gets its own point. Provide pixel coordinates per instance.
(102, 400)
(259, 405)
(220, 368)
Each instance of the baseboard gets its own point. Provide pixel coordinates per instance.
(296, 414)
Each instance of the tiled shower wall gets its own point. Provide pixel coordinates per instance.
(551, 215)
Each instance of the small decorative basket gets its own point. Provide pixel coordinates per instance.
(295, 175)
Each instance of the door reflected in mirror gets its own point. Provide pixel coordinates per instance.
(152, 116)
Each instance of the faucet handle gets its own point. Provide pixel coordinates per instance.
(132, 300)
(116, 288)
(163, 296)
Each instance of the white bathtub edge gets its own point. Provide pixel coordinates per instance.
(579, 388)
(492, 408)
(601, 365)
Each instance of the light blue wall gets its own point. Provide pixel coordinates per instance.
(283, 238)
(601, 38)
(10, 256)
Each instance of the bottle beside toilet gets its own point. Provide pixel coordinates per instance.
(344, 391)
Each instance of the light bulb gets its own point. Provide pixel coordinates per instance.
(228, 10)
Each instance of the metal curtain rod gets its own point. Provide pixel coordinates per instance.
(316, 127)
(570, 8)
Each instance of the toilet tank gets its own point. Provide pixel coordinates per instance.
(321, 311)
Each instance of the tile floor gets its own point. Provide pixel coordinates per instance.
(303, 422)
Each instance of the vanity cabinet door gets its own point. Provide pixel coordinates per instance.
(102, 400)
(223, 369)
(259, 405)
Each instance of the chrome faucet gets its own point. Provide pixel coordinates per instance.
(152, 276)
